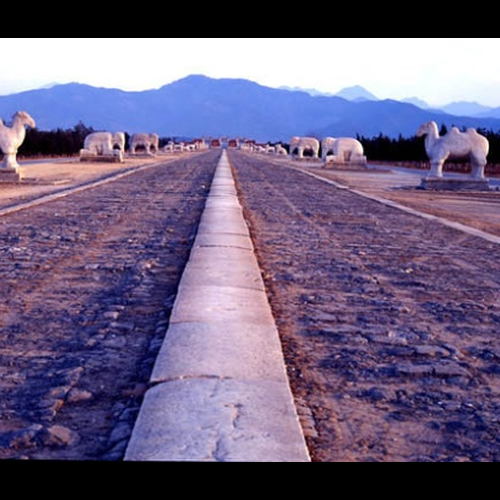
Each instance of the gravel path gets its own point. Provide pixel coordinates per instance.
(87, 285)
(389, 322)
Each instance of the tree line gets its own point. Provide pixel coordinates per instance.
(412, 149)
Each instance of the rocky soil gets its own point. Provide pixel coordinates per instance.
(87, 284)
(390, 323)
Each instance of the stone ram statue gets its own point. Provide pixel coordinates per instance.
(454, 144)
(150, 142)
(343, 150)
(302, 144)
(11, 138)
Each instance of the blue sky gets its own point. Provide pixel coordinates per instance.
(438, 70)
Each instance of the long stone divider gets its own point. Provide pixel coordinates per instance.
(219, 389)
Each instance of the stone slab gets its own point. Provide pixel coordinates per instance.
(223, 221)
(214, 239)
(217, 420)
(9, 176)
(214, 266)
(446, 184)
(220, 349)
(215, 304)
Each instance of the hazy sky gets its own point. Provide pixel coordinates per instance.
(438, 70)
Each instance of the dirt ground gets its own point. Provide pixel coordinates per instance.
(477, 210)
(87, 284)
(389, 322)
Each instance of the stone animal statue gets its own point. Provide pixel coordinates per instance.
(150, 142)
(104, 143)
(11, 138)
(454, 144)
(302, 144)
(343, 149)
(280, 150)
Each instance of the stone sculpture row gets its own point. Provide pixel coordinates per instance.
(107, 146)
(344, 150)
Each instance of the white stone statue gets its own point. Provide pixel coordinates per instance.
(12, 138)
(342, 150)
(280, 150)
(150, 142)
(454, 144)
(304, 144)
(103, 144)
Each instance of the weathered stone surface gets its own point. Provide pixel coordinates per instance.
(9, 175)
(445, 184)
(217, 420)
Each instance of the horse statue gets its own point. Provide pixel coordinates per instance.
(304, 144)
(454, 144)
(12, 138)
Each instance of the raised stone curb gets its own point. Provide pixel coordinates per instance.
(220, 390)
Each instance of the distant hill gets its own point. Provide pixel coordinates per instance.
(356, 94)
(201, 106)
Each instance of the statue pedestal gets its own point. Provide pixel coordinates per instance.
(88, 156)
(442, 184)
(9, 176)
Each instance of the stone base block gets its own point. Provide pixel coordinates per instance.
(115, 158)
(9, 176)
(345, 166)
(441, 184)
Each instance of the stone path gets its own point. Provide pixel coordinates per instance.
(220, 390)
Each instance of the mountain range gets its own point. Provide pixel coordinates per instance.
(461, 108)
(201, 106)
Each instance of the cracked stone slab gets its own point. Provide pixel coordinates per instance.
(219, 420)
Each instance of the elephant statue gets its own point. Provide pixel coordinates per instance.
(343, 150)
(302, 144)
(103, 144)
(148, 142)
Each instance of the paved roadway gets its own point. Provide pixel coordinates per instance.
(87, 283)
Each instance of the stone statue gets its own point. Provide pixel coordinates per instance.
(103, 146)
(454, 144)
(343, 150)
(150, 142)
(304, 144)
(12, 138)
(104, 143)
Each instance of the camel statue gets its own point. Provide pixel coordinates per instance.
(150, 142)
(343, 149)
(12, 138)
(454, 144)
(304, 144)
